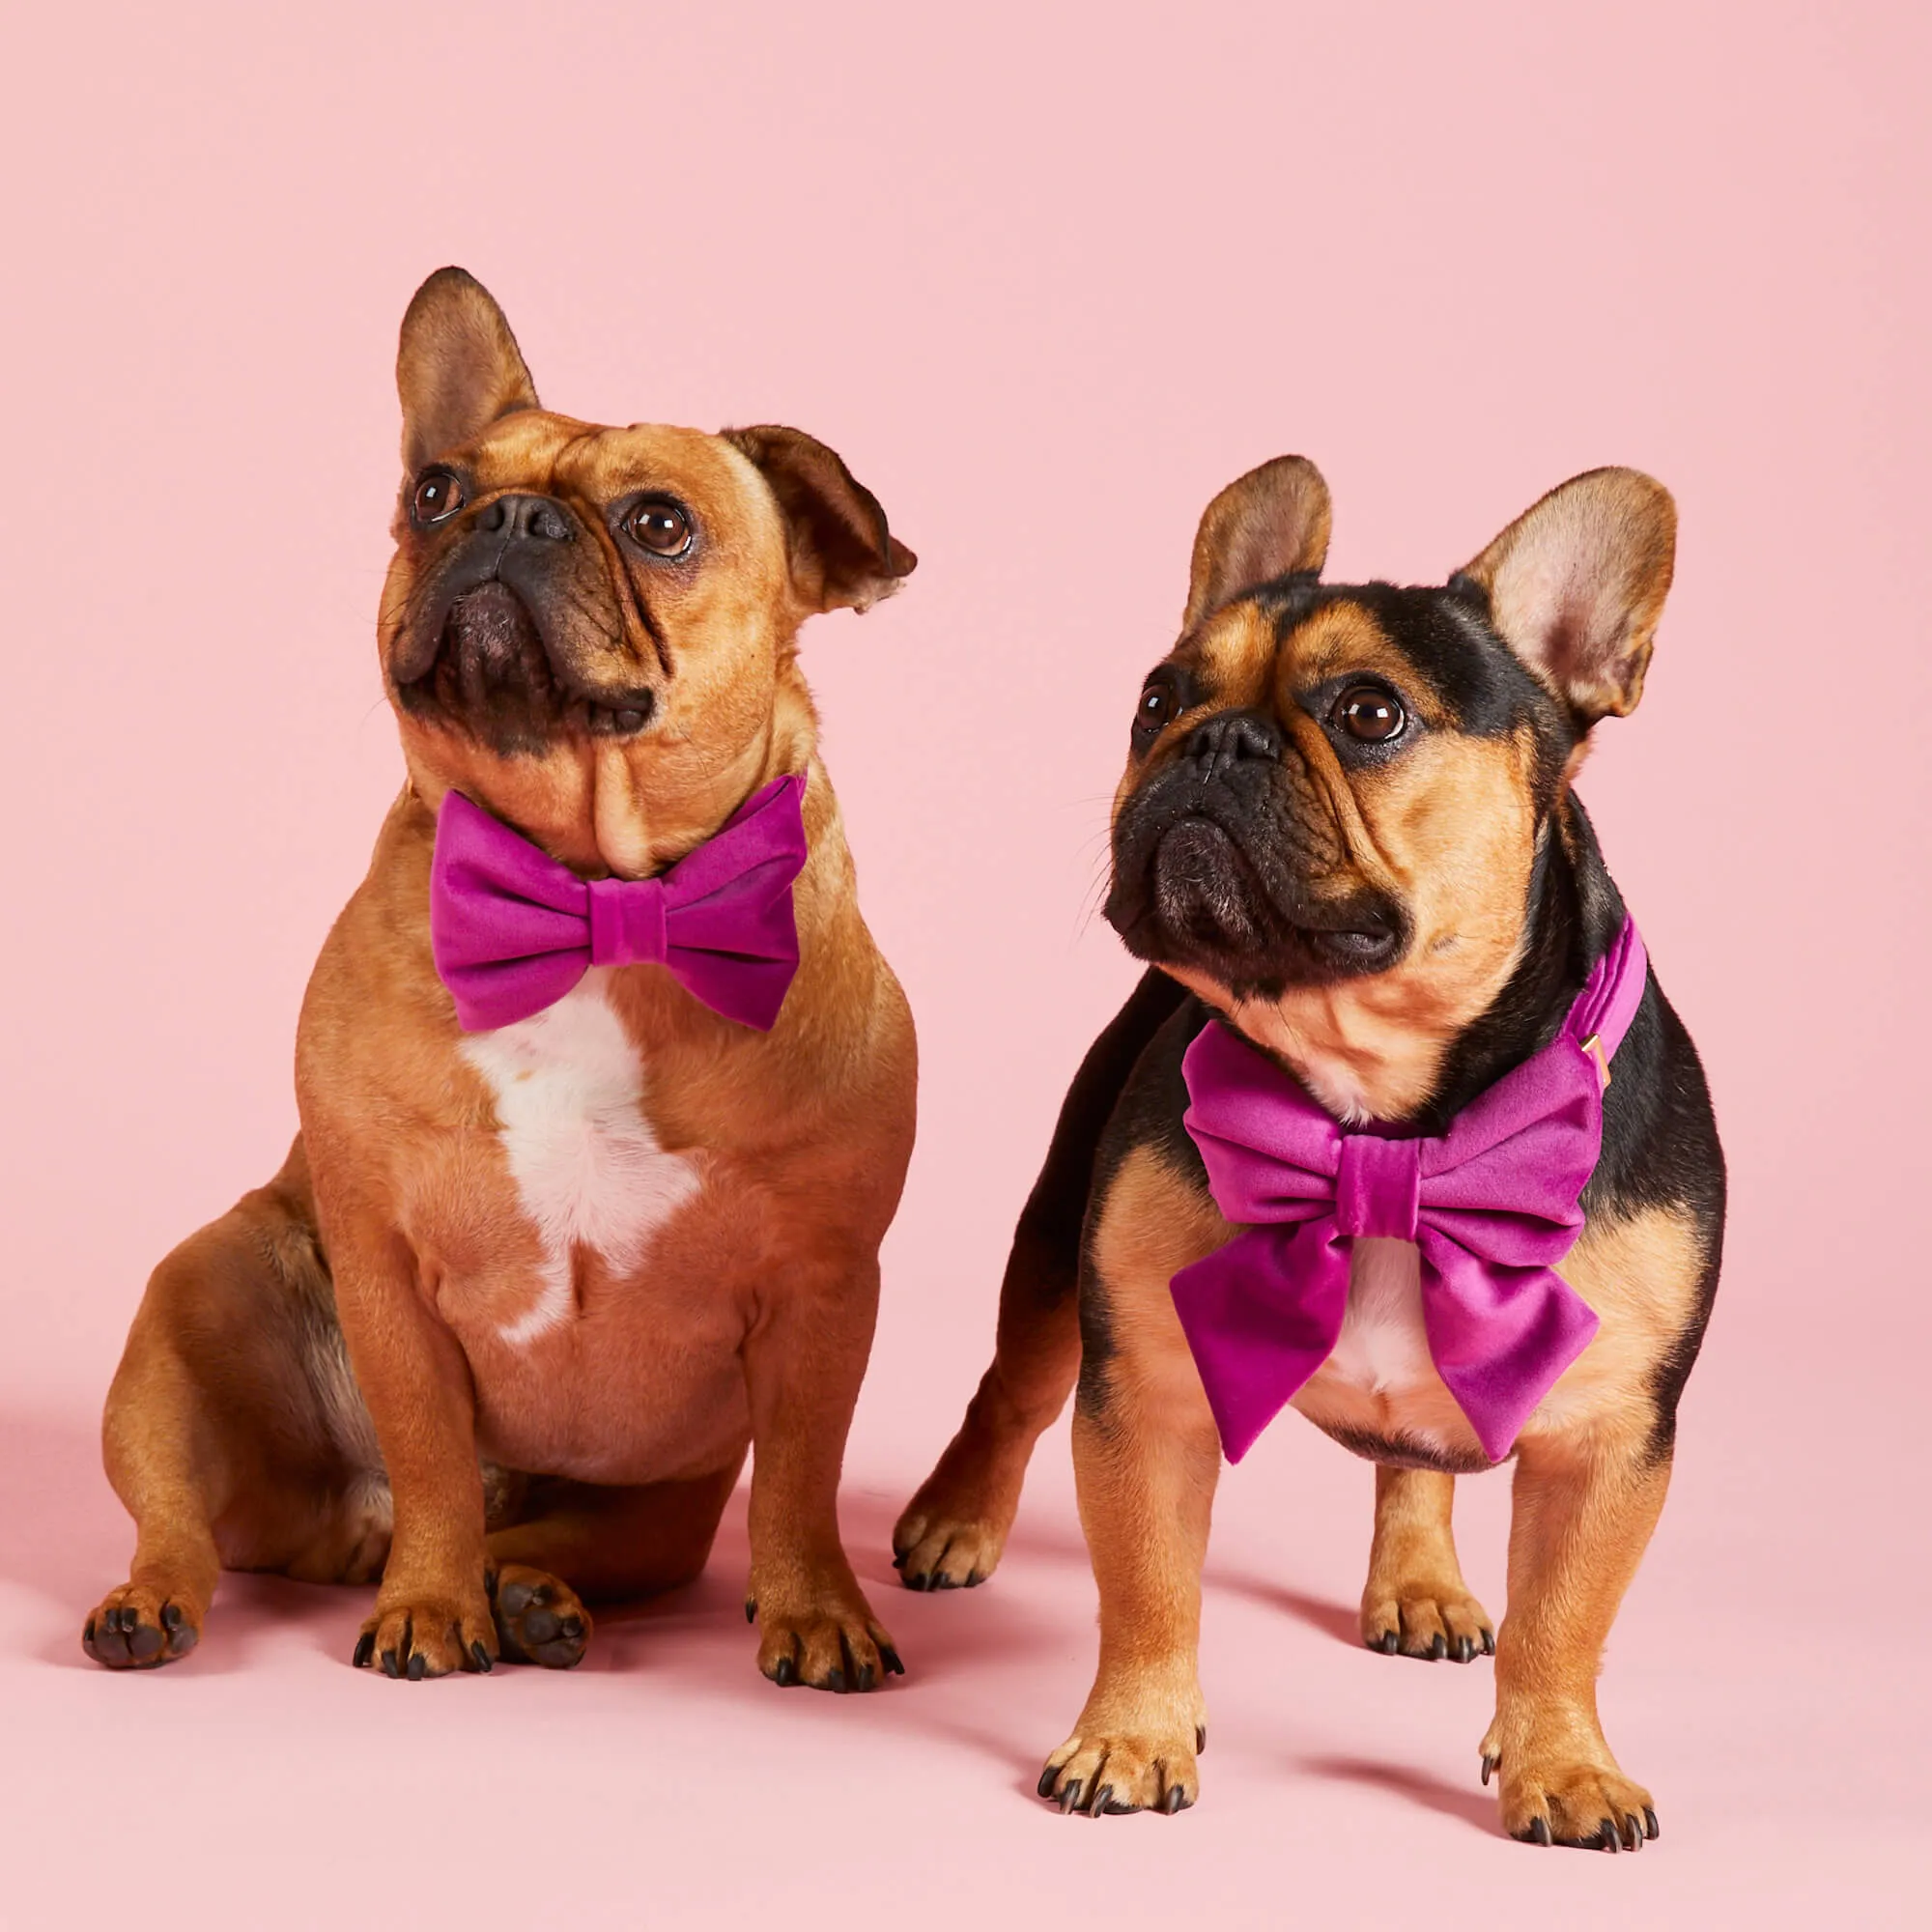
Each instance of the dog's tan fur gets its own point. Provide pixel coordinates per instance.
(488, 1471)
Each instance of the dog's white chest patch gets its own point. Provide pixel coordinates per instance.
(569, 1090)
(1384, 1348)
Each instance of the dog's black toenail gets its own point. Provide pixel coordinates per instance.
(483, 1661)
(1048, 1779)
(1438, 1648)
(751, 1610)
(1632, 1831)
(1391, 1642)
(941, 1582)
(1488, 1643)
(1488, 1765)
(1199, 1737)
(890, 1657)
(419, 1663)
(834, 1680)
(1103, 1801)
(1649, 1821)
(1607, 1835)
(365, 1649)
(1176, 1800)
(867, 1677)
(900, 1558)
(973, 1579)
(1466, 1649)
(1070, 1795)
(1539, 1831)
(787, 1674)
(171, 1617)
(391, 1667)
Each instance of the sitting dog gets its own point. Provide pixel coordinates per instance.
(606, 1094)
(1336, 1148)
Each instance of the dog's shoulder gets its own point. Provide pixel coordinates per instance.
(1150, 1214)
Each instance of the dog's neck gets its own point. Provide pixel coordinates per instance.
(1572, 915)
(1369, 1052)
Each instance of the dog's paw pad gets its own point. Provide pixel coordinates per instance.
(540, 1619)
(139, 1627)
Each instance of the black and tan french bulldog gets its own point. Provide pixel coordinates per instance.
(505, 1327)
(1348, 832)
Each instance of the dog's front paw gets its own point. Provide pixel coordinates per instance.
(1558, 1800)
(539, 1618)
(1426, 1621)
(140, 1626)
(1101, 1773)
(831, 1642)
(417, 1635)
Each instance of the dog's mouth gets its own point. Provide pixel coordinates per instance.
(492, 675)
(1200, 900)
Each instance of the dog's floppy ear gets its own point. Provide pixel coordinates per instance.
(458, 367)
(842, 555)
(1272, 522)
(1576, 584)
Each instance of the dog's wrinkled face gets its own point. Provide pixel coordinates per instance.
(581, 621)
(1336, 793)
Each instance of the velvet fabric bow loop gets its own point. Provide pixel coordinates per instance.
(1492, 1206)
(512, 930)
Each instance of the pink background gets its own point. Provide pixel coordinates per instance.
(1048, 276)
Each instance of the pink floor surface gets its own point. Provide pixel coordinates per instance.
(1774, 1699)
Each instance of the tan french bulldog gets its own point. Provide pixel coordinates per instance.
(503, 1327)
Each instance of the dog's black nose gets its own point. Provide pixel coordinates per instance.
(526, 517)
(1226, 739)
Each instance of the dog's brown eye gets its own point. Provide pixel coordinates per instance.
(1367, 712)
(438, 494)
(1157, 709)
(661, 528)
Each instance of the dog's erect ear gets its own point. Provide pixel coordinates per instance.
(1575, 586)
(842, 555)
(458, 367)
(1268, 523)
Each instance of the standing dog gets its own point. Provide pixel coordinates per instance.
(591, 1186)
(1393, 974)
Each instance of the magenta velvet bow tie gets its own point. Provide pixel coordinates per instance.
(513, 932)
(1492, 1206)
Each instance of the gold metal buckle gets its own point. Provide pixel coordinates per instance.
(1594, 1047)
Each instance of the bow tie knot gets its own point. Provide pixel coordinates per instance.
(1379, 1186)
(626, 922)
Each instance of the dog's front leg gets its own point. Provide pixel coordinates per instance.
(1584, 1510)
(1145, 1459)
(804, 1357)
(433, 1612)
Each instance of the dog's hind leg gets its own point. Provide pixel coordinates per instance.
(1415, 1601)
(611, 1543)
(953, 1530)
(214, 1438)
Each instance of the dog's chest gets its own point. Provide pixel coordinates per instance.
(1382, 1348)
(590, 1171)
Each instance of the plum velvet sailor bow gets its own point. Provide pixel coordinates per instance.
(1492, 1206)
(513, 932)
